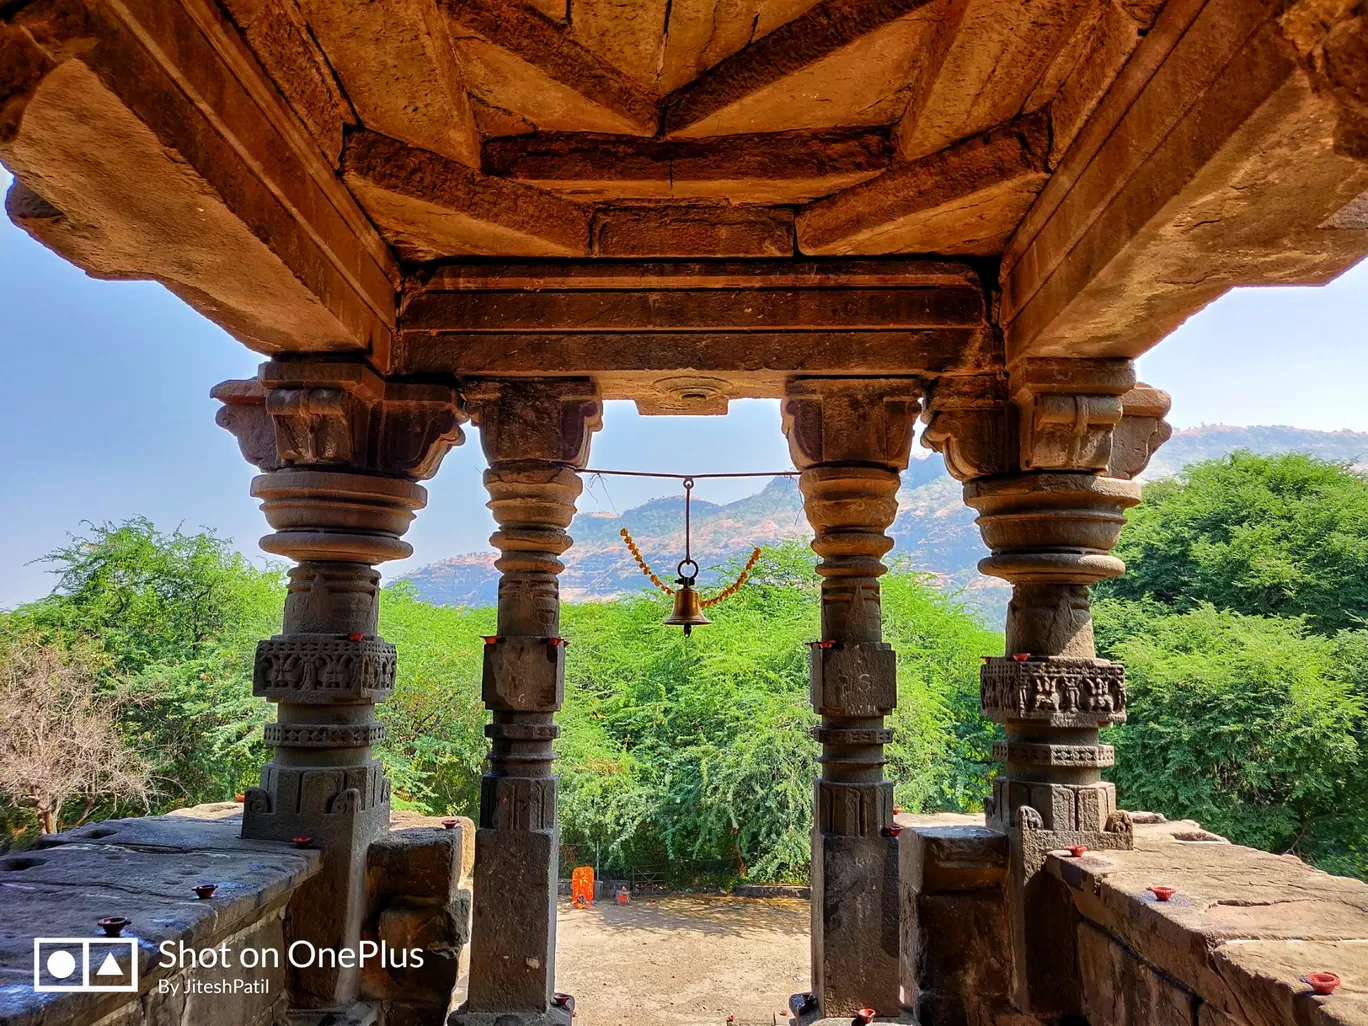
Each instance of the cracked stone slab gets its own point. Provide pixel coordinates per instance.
(143, 869)
(1244, 926)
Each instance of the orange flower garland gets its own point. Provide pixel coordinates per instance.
(632, 547)
(721, 596)
(735, 586)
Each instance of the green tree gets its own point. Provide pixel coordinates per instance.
(1264, 535)
(1251, 725)
(169, 622)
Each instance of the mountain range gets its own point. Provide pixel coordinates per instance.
(934, 530)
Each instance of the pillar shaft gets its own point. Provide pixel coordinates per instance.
(341, 450)
(851, 439)
(534, 434)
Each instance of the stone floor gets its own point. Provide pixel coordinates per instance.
(683, 960)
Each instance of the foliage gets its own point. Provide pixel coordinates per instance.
(61, 740)
(434, 722)
(694, 753)
(168, 624)
(1263, 535)
(1251, 725)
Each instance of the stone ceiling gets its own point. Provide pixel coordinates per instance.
(296, 169)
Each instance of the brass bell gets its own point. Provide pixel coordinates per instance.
(688, 604)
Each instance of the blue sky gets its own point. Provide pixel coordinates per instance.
(108, 412)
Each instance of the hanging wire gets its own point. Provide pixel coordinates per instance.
(690, 477)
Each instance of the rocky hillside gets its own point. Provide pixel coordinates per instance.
(934, 531)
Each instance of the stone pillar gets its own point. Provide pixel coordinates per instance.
(1047, 455)
(342, 451)
(851, 438)
(534, 433)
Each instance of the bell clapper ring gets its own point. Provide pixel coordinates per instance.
(687, 580)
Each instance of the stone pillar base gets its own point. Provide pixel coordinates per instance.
(556, 1015)
(1042, 920)
(358, 1013)
(512, 965)
(812, 1017)
(855, 937)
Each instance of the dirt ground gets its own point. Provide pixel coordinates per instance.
(682, 960)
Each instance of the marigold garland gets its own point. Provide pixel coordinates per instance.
(632, 547)
(721, 596)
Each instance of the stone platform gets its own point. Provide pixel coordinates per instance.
(1230, 947)
(145, 870)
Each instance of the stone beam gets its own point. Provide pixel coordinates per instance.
(820, 47)
(431, 207)
(148, 142)
(692, 230)
(772, 167)
(400, 69)
(284, 44)
(1224, 154)
(647, 330)
(965, 200)
(989, 61)
(518, 57)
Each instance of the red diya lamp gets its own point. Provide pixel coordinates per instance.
(893, 829)
(865, 1015)
(355, 636)
(1021, 657)
(1162, 893)
(1077, 850)
(1321, 983)
(301, 842)
(205, 891)
(239, 798)
(449, 823)
(490, 639)
(113, 925)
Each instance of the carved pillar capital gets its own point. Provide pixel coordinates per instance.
(850, 420)
(340, 416)
(342, 449)
(969, 422)
(1066, 411)
(1048, 415)
(546, 420)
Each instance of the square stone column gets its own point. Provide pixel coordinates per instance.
(535, 435)
(1047, 454)
(342, 450)
(851, 438)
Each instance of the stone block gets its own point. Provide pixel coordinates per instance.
(427, 927)
(1094, 804)
(1055, 803)
(952, 858)
(1120, 990)
(512, 969)
(523, 675)
(855, 924)
(440, 933)
(417, 865)
(966, 946)
(856, 679)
